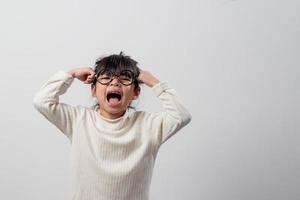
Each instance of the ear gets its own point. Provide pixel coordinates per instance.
(137, 92)
(93, 90)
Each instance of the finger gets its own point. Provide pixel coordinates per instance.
(88, 81)
(91, 76)
(91, 71)
(140, 81)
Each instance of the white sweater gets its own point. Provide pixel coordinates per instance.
(111, 159)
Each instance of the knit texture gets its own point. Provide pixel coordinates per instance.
(111, 159)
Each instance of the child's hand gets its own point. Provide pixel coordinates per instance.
(85, 75)
(147, 78)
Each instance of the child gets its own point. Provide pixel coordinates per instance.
(113, 152)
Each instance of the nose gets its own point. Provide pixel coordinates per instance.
(115, 81)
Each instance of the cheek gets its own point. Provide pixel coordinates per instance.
(129, 93)
(100, 93)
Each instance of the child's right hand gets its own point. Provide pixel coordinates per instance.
(85, 75)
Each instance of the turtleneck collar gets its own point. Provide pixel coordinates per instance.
(122, 118)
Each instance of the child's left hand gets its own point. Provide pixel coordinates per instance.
(147, 78)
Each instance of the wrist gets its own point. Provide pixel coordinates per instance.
(153, 82)
(71, 72)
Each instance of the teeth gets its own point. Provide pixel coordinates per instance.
(114, 92)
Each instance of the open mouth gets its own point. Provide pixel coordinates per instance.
(114, 98)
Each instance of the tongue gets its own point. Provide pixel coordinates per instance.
(113, 101)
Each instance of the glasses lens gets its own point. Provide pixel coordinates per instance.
(126, 77)
(105, 77)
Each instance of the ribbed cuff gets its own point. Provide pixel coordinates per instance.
(160, 87)
(64, 76)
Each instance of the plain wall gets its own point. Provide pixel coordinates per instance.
(235, 63)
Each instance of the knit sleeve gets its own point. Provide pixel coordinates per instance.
(172, 118)
(46, 101)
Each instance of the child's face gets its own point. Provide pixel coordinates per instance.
(114, 97)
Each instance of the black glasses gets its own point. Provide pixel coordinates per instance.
(126, 77)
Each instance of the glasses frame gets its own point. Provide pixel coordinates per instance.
(116, 76)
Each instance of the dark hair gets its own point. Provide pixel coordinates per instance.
(115, 63)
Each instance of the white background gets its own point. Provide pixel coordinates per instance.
(234, 62)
